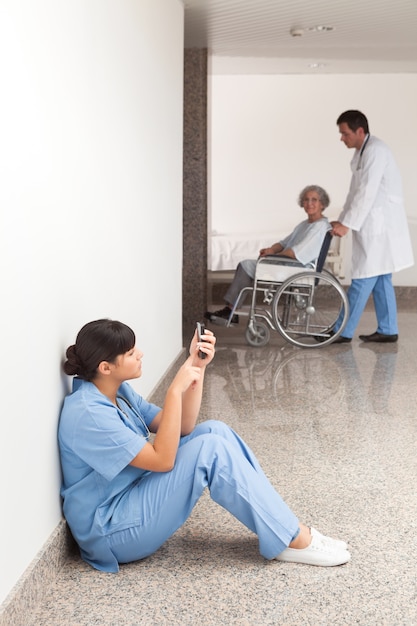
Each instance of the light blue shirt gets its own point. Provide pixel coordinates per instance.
(97, 442)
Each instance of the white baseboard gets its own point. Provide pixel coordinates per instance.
(41, 573)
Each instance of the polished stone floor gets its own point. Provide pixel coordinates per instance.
(335, 429)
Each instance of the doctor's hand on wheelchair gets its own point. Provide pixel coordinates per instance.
(338, 229)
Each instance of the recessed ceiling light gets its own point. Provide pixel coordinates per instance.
(298, 31)
(320, 29)
(315, 66)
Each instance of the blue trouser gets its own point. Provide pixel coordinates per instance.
(212, 456)
(383, 294)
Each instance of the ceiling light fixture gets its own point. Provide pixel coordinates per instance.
(299, 32)
(320, 29)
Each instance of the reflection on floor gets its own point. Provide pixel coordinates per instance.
(335, 429)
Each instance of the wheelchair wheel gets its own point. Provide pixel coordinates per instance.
(306, 307)
(257, 334)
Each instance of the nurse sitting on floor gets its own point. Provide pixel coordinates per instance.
(125, 493)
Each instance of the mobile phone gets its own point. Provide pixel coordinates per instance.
(200, 331)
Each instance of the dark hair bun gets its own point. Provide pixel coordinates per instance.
(72, 365)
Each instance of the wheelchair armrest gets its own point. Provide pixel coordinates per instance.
(276, 268)
(279, 259)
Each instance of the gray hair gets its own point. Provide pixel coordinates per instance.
(323, 195)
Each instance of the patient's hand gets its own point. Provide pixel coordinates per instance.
(266, 251)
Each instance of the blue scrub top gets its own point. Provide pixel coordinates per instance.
(97, 441)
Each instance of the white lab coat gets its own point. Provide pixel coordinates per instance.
(375, 213)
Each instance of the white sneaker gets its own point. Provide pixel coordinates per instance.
(320, 552)
(336, 542)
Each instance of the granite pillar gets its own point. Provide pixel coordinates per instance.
(194, 280)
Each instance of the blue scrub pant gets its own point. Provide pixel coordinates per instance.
(385, 304)
(212, 456)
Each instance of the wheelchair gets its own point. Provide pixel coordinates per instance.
(301, 303)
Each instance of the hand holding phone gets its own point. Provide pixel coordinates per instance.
(200, 331)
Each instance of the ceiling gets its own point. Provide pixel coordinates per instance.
(253, 36)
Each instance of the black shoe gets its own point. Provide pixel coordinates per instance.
(224, 314)
(321, 338)
(379, 338)
(342, 339)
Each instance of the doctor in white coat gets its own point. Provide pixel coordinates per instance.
(375, 213)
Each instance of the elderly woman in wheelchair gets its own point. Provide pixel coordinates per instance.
(301, 300)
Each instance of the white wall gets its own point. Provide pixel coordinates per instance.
(270, 135)
(91, 190)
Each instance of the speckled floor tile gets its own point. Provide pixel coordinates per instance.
(336, 432)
